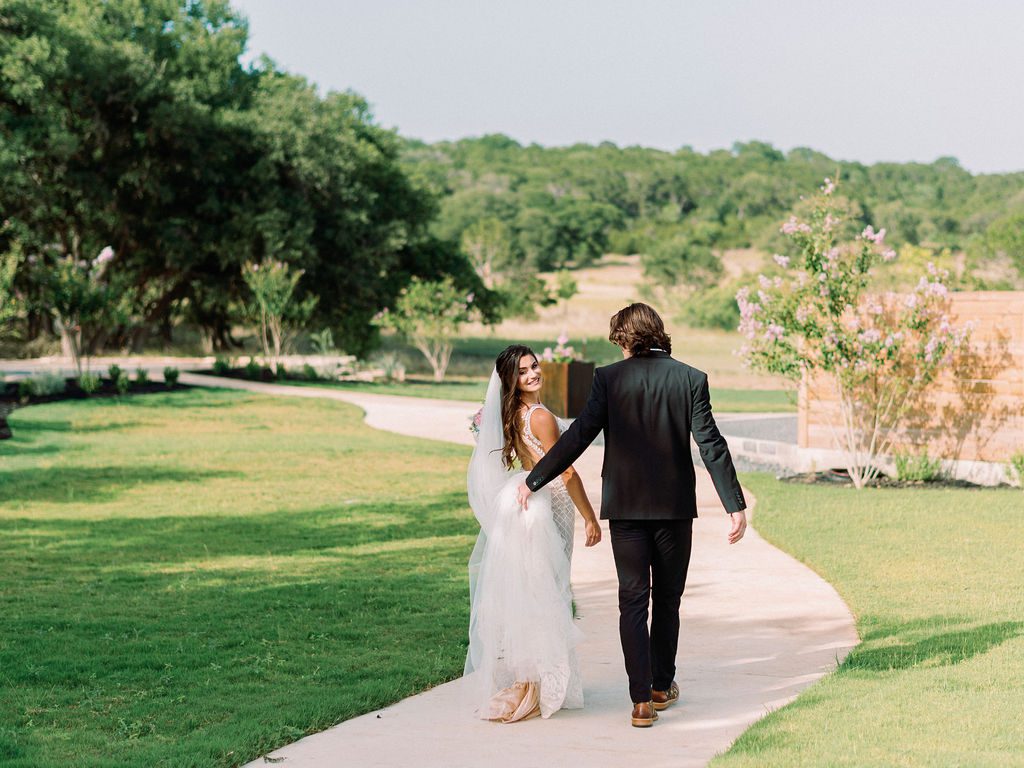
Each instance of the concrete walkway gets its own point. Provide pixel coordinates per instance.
(758, 627)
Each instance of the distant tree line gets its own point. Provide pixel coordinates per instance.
(548, 208)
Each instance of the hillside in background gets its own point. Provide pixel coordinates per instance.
(697, 227)
(735, 198)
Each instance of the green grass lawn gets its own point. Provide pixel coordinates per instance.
(472, 390)
(935, 578)
(193, 579)
(723, 400)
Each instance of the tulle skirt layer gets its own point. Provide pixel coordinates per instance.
(521, 626)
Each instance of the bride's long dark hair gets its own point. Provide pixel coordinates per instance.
(507, 366)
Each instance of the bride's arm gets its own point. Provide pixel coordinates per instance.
(545, 429)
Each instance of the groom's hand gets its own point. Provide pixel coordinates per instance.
(523, 494)
(739, 526)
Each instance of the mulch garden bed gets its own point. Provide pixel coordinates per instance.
(839, 477)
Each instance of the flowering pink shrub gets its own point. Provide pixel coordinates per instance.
(818, 319)
(562, 353)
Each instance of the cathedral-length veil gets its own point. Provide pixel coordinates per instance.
(521, 628)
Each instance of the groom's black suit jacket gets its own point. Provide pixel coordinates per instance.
(647, 405)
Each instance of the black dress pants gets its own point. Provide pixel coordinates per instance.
(651, 558)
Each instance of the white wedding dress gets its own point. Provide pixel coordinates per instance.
(522, 659)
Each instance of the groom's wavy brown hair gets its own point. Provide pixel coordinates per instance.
(639, 329)
(507, 366)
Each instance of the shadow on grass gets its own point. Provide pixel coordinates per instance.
(90, 484)
(934, 642)
(173, 539)
(17, 446)
(26, 427)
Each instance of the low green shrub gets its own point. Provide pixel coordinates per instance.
(917, 467)
(89, 382)
(141, 375)
(122, 384)
(309, 373)
(323, 342)
(171, 376)
(253, 370)
(114, 372)
(1016, 468)
(391, 365)
(42, 384)
(222, 366)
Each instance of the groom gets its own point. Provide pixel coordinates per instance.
(648, 406)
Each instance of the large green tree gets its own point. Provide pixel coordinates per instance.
(134, 124)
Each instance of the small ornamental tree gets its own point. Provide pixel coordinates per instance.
(817, 319)
(273, 286)
(78, 294)
(429, 314)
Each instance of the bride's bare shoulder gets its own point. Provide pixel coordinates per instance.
(543, 423)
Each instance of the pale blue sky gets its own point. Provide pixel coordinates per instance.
(858, 79)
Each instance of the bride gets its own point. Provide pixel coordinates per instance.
(522, 660)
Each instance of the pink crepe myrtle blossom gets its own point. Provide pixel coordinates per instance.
(802, 314)
(829, 187)
(563, 339)
(888, 255)
(774, 332)
(793, 226)
(870, 234)
(104, 256)
(548, 355)
(830, 221)
(782, 261)
(469, 297)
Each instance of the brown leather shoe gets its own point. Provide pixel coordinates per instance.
(665, 699)
(644, 715)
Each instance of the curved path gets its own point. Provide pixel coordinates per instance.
(757, 628)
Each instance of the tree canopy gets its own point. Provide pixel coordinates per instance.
(133, 124)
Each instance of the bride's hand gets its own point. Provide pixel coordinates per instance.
(593, 532)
